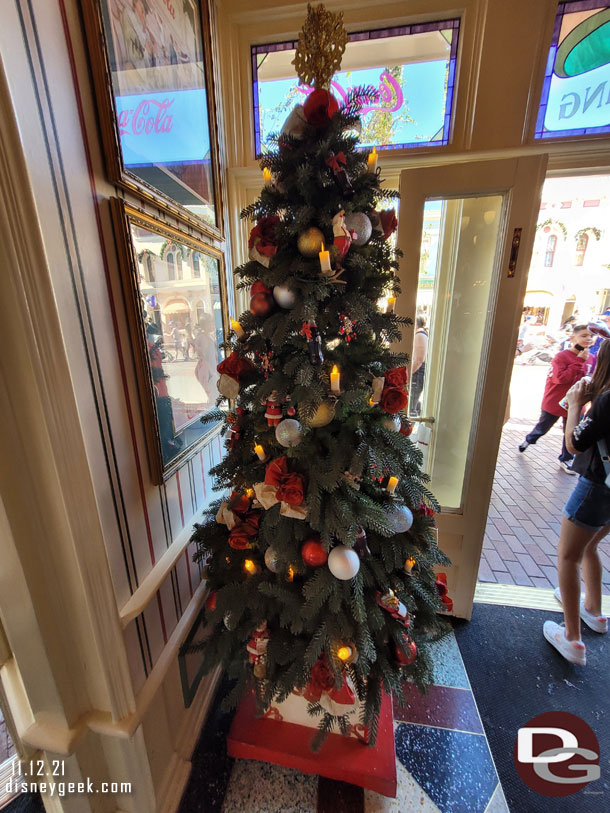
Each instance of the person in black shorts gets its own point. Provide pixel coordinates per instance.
(586, 515)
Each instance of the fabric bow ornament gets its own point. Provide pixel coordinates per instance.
(335, 162)
(393, 397)
(442, 589)
(282, 486)
(232, 370)
(388, 222)
(244, 534)
(233, 510)
(321, 689)
(263, 240)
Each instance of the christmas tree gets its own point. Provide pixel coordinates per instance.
(320, 562)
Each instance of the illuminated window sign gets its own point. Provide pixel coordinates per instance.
(163, 128)
(413, 67)
(576, 92)
(161, 98)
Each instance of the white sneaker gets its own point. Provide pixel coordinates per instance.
(598, 623)
(567, 468)
(573, 651)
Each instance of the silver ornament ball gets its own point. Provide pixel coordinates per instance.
(284, 296)
(360, 223)
(400, 518)
(343, 562)
(392, 423)
(230, 620)
(289, 432)
(271, 559)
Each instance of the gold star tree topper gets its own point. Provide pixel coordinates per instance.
(321, 45)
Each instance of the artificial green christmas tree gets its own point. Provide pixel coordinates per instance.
(320, 562)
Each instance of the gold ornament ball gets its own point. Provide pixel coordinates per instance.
(310, 242)
(260, 670)
(322, 416)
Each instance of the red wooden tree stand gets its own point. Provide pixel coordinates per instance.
(344, 758)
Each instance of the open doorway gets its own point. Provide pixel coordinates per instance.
(568, 282)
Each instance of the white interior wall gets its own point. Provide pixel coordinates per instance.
(105, 717)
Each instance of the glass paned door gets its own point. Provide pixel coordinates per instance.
(466, 231)
(453, 312)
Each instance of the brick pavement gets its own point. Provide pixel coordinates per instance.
(529, 491)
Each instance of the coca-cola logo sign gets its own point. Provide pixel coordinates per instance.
(167, 127)
(150, 116)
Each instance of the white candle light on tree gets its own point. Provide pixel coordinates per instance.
(325, 265)
(335, 380)
(260, 452)
(267, 176)
(237, 329)
(372, 161)
(391, 304)
(392, 483)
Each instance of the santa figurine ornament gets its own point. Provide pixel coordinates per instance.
(257, 650)
(396, 608)
(273, 411)
(342, 236)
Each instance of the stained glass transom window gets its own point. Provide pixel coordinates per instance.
(576, 92)
(413, 67)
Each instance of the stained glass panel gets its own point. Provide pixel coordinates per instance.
(413, 67)
(576, 91)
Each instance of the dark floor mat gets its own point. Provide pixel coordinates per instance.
(515, 675)
(25, 803)
(211, 766)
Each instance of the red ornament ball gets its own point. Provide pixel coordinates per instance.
(261, 299)
(407, 428)
(313, 553)
(261, 305)
(407, 657)
(210, 602)
(319, 107)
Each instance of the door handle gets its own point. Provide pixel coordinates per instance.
(429, 420)
(514, 252)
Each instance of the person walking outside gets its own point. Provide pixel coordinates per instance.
(567, 367)
(586, 515)
(418, 365)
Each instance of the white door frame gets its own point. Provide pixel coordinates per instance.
(520, 180)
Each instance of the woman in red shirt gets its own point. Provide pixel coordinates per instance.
(568, 367)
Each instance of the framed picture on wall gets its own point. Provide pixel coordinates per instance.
(176, 304)
(152, 70)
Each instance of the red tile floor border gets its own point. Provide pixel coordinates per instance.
(529, 491)
(443, 707)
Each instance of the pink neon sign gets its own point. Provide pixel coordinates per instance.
(389, 89)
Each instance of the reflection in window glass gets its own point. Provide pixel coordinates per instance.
(549, 254)
(155, 50)
(575, 97)
(184, 331)
(581, 248)
(413, 68)
(458, 274)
